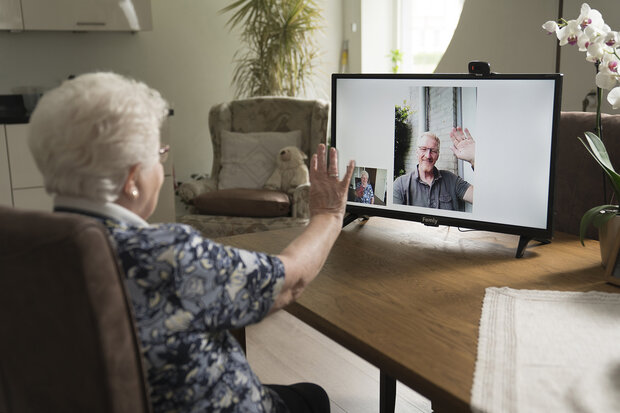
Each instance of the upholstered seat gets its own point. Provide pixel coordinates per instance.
(579, 179)
(68, 342)
(249, 120)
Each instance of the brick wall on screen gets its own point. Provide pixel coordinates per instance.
(417, 126)
(441, 120)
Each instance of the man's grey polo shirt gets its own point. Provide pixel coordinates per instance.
(446, 191)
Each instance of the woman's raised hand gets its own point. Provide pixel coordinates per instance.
(328, 193)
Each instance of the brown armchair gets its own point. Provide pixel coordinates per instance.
(68, 336)
(240, 211)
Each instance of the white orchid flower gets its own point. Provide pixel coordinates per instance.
(614, 97)
(605, 80)
(570, 33)
(583, 42)
(589, 17)
(610, 63)
(597, 33)
(551, 27)
(607, 77)
(595, 52)
(601, 44)
(611, 38)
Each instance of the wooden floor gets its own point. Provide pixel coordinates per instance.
(284, 350)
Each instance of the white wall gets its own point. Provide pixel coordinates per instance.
(507, 34)
(187, 57)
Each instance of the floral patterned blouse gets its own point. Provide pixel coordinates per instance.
(187, 291)
(367, 196)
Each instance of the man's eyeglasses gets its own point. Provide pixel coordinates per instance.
(423, 149)
(163, 153)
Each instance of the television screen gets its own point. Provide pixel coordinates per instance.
(460, 150)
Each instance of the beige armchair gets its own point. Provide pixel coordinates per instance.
(246, 136)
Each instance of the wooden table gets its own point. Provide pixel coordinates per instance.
(408, 298)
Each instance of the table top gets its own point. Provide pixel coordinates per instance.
(408, 298)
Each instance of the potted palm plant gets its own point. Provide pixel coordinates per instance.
(280, 52)
(590, 33)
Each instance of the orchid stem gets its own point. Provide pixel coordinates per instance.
(599, 124)
(599, 100)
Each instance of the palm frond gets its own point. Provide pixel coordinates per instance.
(280, 52)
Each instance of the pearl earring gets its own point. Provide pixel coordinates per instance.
(134, 193)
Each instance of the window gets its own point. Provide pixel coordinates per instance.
(426, 29)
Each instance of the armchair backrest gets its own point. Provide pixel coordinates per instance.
(579, 179)
(68, 335)
(269, 114)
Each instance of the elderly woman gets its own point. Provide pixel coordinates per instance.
(96, 140)
(363, 190)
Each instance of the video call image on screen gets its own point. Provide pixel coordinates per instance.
(476, 149)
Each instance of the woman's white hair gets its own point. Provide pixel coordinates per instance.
(88, 132)
(364, 173)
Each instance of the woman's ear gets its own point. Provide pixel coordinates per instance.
(130, 188)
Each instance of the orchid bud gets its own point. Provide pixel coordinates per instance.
(550, 26)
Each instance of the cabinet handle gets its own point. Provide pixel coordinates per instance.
(90, 23)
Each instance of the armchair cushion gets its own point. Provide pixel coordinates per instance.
(248, 159)
(244, 203)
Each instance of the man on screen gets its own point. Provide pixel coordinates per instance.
(426, 186)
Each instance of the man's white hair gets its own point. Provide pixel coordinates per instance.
(88, 132)
(432, 135)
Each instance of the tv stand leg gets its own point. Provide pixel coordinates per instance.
(523, 241)
(350, 217)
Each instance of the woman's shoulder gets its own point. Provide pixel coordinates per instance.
(168, 233)
(175, 233)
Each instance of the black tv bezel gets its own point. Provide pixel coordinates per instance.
(436, 220)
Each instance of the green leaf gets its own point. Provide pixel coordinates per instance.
(596, 216)
(597, 149)
(279, 53)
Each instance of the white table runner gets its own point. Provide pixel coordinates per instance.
(548, 351)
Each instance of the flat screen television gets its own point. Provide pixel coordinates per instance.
(398, 127)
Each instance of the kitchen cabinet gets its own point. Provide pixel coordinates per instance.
(76, 15)
(26, 190)
(11, 15)
(6, 196)
(21, 183)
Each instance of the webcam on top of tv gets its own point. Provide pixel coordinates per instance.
(479, 68)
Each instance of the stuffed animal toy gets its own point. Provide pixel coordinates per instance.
(291, 170)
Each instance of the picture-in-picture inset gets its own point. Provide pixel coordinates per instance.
(368, 186)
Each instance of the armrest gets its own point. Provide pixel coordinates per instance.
(189, 190)
(300, 205)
